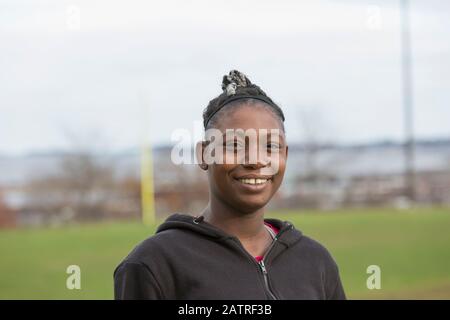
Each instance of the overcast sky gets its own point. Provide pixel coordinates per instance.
(90, 67)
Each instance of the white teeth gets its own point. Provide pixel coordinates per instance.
(253, 181)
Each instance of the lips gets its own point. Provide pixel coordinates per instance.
(253, 182)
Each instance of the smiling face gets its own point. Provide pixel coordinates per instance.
(248, 185)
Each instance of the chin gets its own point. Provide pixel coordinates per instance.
(251, 206)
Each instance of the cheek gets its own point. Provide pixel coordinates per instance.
(276, 167)
(219, 173)
(282, 165)
(280, 162)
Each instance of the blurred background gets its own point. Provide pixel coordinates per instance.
(92, 92)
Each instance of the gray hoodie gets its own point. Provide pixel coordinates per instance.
(191, 259)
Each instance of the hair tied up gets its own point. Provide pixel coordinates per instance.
(237, 87)
(234, 80)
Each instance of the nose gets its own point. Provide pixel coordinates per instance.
(255, 166)
(258, 161)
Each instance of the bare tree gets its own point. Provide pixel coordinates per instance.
(7, 215)
(320, 165)
(80, 188)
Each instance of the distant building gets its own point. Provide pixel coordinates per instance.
(7, 215)
(333, 177)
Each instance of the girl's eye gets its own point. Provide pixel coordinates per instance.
(233, 146)
(273, 147)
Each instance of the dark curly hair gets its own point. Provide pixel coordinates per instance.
(238, 90)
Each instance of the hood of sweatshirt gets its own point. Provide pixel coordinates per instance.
(191, 259)
(287, 235)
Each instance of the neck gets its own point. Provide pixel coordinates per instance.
(244, 225)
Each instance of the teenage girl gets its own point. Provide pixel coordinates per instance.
(229, 250)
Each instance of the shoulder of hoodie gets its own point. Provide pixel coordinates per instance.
(159, 242)
(145, 251)
(317, 252)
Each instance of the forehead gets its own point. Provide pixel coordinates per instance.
(246, 116)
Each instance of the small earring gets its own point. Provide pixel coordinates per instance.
(204, 166)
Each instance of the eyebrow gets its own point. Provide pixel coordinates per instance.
(240, 135)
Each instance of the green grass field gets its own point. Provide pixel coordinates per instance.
(411, 247)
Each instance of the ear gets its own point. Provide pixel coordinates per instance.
(199, 149)
(287, 149)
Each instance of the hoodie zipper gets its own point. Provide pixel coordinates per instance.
(264, 269)
(266, 280)
(262, 265)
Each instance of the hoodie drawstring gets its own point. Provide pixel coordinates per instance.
(198, 219)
